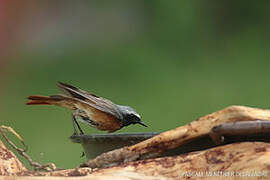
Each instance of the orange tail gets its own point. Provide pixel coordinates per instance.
(51, 100)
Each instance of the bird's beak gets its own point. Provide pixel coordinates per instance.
(142, 123)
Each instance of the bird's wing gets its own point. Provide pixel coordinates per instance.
(91, 99)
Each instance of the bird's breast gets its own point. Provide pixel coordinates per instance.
(105, 121)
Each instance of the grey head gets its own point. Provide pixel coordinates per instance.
(130, 116)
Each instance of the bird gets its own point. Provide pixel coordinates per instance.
(89, 108)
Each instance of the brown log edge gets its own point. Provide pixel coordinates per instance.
(237, 158)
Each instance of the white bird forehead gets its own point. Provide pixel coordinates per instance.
(129, 110)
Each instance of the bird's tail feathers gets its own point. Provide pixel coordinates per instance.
(57, 100)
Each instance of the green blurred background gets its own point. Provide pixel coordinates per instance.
(172, 61)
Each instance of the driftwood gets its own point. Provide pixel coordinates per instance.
(177, 137)
(233, 161)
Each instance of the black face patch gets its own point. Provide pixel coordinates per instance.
(130, 119)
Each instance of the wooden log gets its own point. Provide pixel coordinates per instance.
(246, 160)
(177, 137)
(234, 161)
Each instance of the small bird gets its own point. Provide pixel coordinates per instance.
(89, 108)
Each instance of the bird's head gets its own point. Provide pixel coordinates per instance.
(130, 116)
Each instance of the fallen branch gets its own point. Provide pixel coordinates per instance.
(177, 137)
(233, 161)
(22, 152)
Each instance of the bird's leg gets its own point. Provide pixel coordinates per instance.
(81, 132)
(75, 123)
(74, 126)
